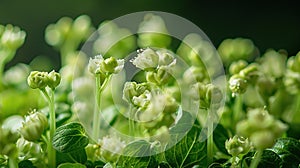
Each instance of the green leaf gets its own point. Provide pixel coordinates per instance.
(220, 135)
(189, 151)
(138, 154)
(71, 165)
(288, 150)
(78, 156)
(70, 137)
(268, 159)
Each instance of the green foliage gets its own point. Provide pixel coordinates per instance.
(189, 151)
(173, 112)
(71, 165)
(138, 154)
(69, 138)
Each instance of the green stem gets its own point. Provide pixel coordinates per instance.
(237, 109)
(1, 75)
(52, 161)
(12, 162)
(131, 122)
(296, 110)
(210, 138)
(256, 159)
(51, 150)
(96, 121)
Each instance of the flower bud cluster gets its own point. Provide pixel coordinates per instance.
(292, 77)
(66, 30)
(198, 74)
(34, 125)
(232, 50)
(239, 81)
(39, 80)
(109, 148)
(153, 32)
(8, 142)
(208, 94)
(237, 145)
(261, 128)
(157, 64)
(151, 106)
(11, 37)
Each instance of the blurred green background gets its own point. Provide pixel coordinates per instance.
(270, 25)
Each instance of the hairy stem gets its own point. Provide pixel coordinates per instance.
(12, 162)
(237, 109)
(96, 121)
(256, 159)
(296, 110)
(131, 121)
(51, 150)
(1, 75)
(210, 138)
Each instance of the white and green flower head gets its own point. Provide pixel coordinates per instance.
(111, 148)
(94, 64)
(237, 84)
(237, 145)
(132, 89)
(34, 125)
(146, 59)
(261, 128)
(12, 37)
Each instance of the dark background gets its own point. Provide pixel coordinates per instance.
(270, 24)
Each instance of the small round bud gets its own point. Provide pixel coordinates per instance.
(147, 59)
(237, 84)
(237, 145)
(81, 26)
(34, 125)
(237, 66)
(53, 79)
(111, 65)
(37, 80)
